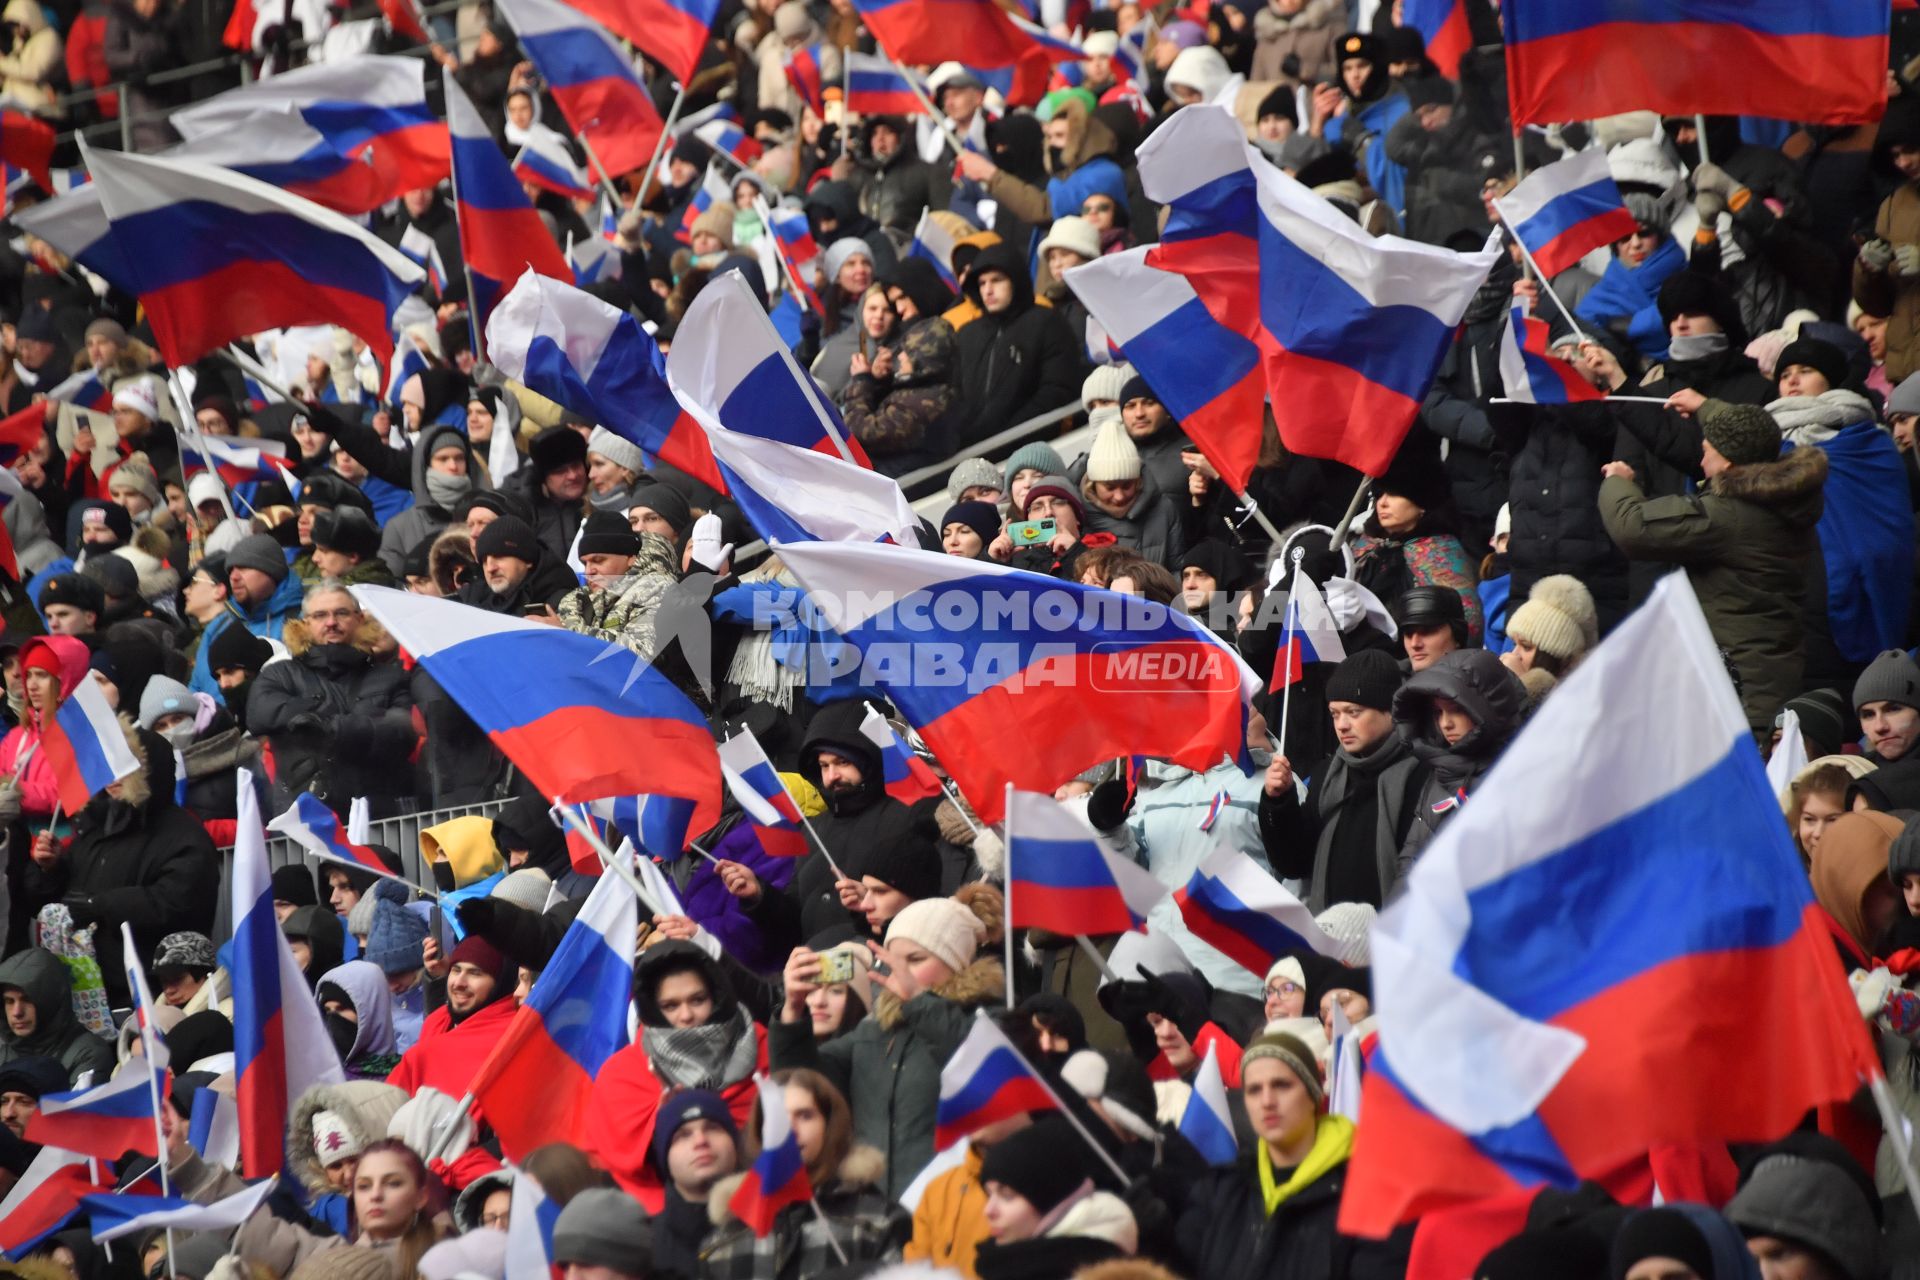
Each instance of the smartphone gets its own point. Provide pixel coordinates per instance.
(835, 967)
(533, 610)
(1031, 533)
(881, 968)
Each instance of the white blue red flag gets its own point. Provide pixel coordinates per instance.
(932, 242)
(985, 1080)
(235, 462)
(1566, 210)
(876, 86)
(1206, 1122)
(907, 777)
(105, 1121)
(1061, 876)
(591, 78)
(153, 1043)
(318, 829)
(778, 1176)
(530, 1229)
(671, 32)
(1532, 376)
(279, 147)
(86, 747)
(1310, 634)
(806, 74)
(1239, 910)
(730, 140)
(114, 1216)
(40, 1203)
(769, 808)
(547, 165)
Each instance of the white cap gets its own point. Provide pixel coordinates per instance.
(139, 397)
(1502, 523)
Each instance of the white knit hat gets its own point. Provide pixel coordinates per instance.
(1290, 968)
(617, 450)
(1073, 233)
(204, 487)
(139, 397)
(1104, 383)
(1349, 924)
(944, 927)
(1202, 68)
(333, 1141)
(1558, 618)
(1113, 456)
(1100, 44)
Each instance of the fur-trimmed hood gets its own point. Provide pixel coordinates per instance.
(368, 638)
(982, 982)
(365, 1105)
(1790, 486)
(450, 561)
(863, 1169)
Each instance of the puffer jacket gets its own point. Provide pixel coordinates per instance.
(1150, 526)
(1553, 491)
(1086, 165)
(1744, 541)
(1013, 364)
(57, 1033)
(339, 719)
(1478, 683)
(425, 519)
(1307, 38)
(866, 1223)
(365, 1106)
(29, 70)
(905, 422)
(623, 613)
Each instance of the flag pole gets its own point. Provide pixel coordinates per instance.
(1609, 399)
(953, 138)
(190, 428)
(826, 1227)
(1545, 286)
(1700, 141)
(474, 336)
(1093, 954)
(606, 179)
(1883, 1100)
(153, 1084)
(607, 856)
(1066, 1112)
(1006, 904)
(1258, 515)
(1286, 638)
(1341, 530)
(659, 146)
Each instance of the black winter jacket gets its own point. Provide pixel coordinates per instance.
(1225, 1233)
(339, 720)
(1013, 364)
(1554, 499)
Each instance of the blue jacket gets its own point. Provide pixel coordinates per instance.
(1388, 179)
(1866, 540)
(270, 619)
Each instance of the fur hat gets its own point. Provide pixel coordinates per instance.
(74, 589)
(1073, 233)
(1891, 677)
(1113, 456)
(970, 472)
(1288, 1050)
(1558, 618)
(944, 927)
(1104, 383)
(347, 530)
(1742, 433)
(184, 950)
(617, 450)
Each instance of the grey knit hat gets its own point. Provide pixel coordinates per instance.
(528, 887)
(1905, 397)
(1812, 1203)
(1743, 433)
(1293, 1053)
(602, 1227)
(1903, 855)
(165, 696)
(1891, 677)
(618, 450)
(1035, 457)
(258, 551)
(970, 472)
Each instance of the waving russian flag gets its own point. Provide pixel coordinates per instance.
(1354, 325)
(1110, 675)
(592, 261)
(20, 432)
(318, 829)
(1514, 1052)
(530, 1229)
(657, 825)
(671, 32)
(1566, 210)
(1311, 634)
(1206, 1122)
(535, 1084)
(27, 142)
(1239, 910)
(790, 494)
(114, 1216)
(83, 389)
(977, 33)
(235, 463)
(1816, 61)
(985, 1080)
(104, 1122)
(778, 1176)
(1061, 876)
(280, 1045)
(40, 1203)
(591, 78)
(1443, 25)
(776, 820)
(547, 166)
(908, 778)
(931, 242)
(85, 746)
(730, 140)
(797, 249)
(501, 236)
(806, 74)
(372, 110)
(876, 86)
(76, 224)
(581, 727)
(1532, 376)
(279, 147)
(214, 256)
(596, 360)
(714, 189)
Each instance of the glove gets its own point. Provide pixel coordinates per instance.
(80, 907)
(1906, 260)
(1871, 987)
(9, 804)
(708, 551)
(1344, 602)
(1711, 177)
(1709, 205)
(476, 915)
(308, 722)
(432, 1117)
(1876, 255)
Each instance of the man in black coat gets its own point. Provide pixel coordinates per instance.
(1018, 359)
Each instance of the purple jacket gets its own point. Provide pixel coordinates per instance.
(709, 903)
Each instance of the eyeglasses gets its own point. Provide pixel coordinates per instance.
(1284, 988)
(332, 615)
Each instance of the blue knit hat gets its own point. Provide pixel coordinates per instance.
(1035, 457)
(395, 941)
(681, 1106)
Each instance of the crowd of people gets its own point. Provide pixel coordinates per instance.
(1761, 326)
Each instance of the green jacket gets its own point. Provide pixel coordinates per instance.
(1744, 541)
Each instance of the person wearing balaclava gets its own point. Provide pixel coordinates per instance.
(211, 745)
(364, 1040)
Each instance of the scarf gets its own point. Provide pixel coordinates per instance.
(1631, 292)
(1817, 419)
(709, 1057)
(446, 491)
(1332, 1144)
(1697, 346)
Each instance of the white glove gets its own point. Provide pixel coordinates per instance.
(1344, 602)
(708, 551)
(1876, 255)
(1871, 987)
(434, 1125)
(1906, 259)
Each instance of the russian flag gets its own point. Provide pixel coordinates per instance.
(581, 728)
(372, 109)
(778, 1177)
(280, 148)
(153, 1044)
(1815, 61)
(114, 1216)
(877, 87)
(535, 1084)
(985, 1080)
(908, 778)
(714, 189)
(593, 260)
(1514, 1051)
(409, 360)
(403, 17)
(76, 224)
(1110, 675)
(280, 1045)
(318, 829)
(501, 236)
(530, 1230)
(86, 747)
(730, 140)
(40, 1203)
(728, 359)
(591, 78)
(776, 820)
(1130, 59)
(27, 141)
(1062, 878)
(976, 33)
(550, 168)
(596, 360)
(104, 1122)
(671, 32)
(798, 250)
(214, 1127)
(20, 432)
(1352, 324)
(656, 824)
(425, 250)
(1566, 210)
(1310, 635)
(1529, 374)
(214, 256)
(235, 463)
(1245, 914)
(805, 74)
(1206, 1122)
(931, 242)
(1443, 25)
(83, 389)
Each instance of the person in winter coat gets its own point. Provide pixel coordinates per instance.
(1296, 40)
(50, 667)
(519, 575)
(865, 331)
(337, 713)
(1355, 114)
(1886, 272)
(327, 1129)
(1552, 630)
(1167, 456)
(30, 67)
(1054, 498)
(457, 1037)
(554, 485)
(628, 574)
(1441, 146)
(1345, 838)
(899, 185)
(1121, 503)
(849, 1203)
(211, 745)
(440, 469)
(38, 993)
(693, 1035)
(141, 40)
(1274, 1211)
(392, 1195)
(904, 419)
(136, 858)
(358, 1009)
(1081, 152)
(1744, 542)
(1044, 1216)
(1017, 360)
(1410, 541)
(1458, 716)
(888, 1067)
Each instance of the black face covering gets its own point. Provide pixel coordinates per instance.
(237, 700)
(1057, 158)
(343, 1032)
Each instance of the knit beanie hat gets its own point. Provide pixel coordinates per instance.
(1891, 677)
(607, 533)
(1113, 457)
(1826, 721)
(1743, 433)
(1105, 1077)
(528, 887)
(602, 1227)
(681, 1106)
(1660, 1233)
(136, 475)
(508, 536)
(111, 516)
(1044, 1163)
(481, 954)
(1058, 486)
(664, 501)
(617, 450)
(397, 935)
(1288, 1050)
(910, 865)
(1813, 1203)
(1558, 618)
(1905, 397)
(294, 883)
(835, 255)
(981, 517)
(1073, 233)
(185, 950)
(1104, 383)
(333, 1140)
(236, 646)
(360, 919)
(971, 472)
(1822, 357)
(1367, 679)
(354, 1262)
(941, 925)
(138, 396)
(716, 222)
(259, 551)
(165, 696)
(1350, 925)
(1038, 457)
(1903, 855)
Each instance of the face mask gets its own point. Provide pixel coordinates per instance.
(1697, 346)
(341, 1032)
(180, 736)
(445, 490)
(1057, 157)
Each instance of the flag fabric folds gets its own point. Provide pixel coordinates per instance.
(1564, 211)
(806, 74)
(592, 79)
(1206, 1122)
(877, 87)
(318, 829)
(278, 146)
(123, 1215)
(907, 778)
(1062, 877)
(1235, 907)
(932, 242)
(984, 1081)
(86, 746)
(1529, 374)
(1443, 25)
(769, 808)
(778, 1176)
(26, 142)
(671, 32)
(235, 463)
(40, 1203)
(1514, 1051)
(1310, 634)
(105, 1121)
(547, 165)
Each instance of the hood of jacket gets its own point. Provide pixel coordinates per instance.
(43, 977)
(1480, 684)
(366, 1107)
(143, 793)
(430, 435)
(1007, 260)
(836, 727)
(365, 988)
(674, 956)
(928, 344)
(1789, 486)
(1087, 137)
(26, 13)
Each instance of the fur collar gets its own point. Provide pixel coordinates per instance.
(862, 1168)
(981, 982)
(1792, 478)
